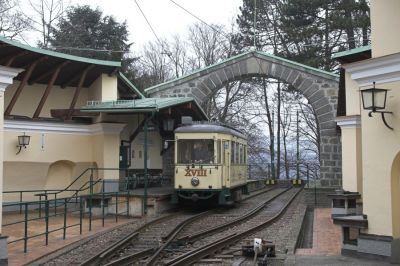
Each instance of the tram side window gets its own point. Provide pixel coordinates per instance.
(196, 151)
(241, 153)
(219, 151)
(233, 145)
(237, 153)
(245, 153)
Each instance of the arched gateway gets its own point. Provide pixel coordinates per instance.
(319, 87)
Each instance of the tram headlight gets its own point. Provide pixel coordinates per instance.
(195, 181)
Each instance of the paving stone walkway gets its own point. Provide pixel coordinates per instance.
(326, 235)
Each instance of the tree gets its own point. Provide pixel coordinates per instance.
(48, 13)
(306, 31)
(12, 21)
(86, 32)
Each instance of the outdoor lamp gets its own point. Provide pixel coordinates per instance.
(23, 141)
(374, 99)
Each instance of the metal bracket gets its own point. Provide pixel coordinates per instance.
(383, 117)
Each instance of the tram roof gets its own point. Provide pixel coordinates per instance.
(210, 128)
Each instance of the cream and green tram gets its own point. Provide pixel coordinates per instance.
(210, 164)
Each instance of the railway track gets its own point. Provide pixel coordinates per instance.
(149, 239)
(153, 240)
(232, 237)
(156, 248)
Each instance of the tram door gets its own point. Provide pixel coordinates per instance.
(225, 163)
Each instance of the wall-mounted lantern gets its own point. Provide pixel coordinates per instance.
(374, 99)
(168, 124)
(23, 141)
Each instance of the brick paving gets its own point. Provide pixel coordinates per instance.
(37, 247)
(326, 235)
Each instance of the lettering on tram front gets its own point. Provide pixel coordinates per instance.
(196, 172)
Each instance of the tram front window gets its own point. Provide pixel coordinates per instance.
(196, 151)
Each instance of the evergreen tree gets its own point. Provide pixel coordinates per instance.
(306, 31)
(86, 32)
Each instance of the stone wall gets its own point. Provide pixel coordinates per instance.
(319, 87)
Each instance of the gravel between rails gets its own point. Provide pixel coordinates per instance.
(283, 233)
(270, 211)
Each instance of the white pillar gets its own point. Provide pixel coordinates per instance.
(6, 78)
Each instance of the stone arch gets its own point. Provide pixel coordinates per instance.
(59, 175)
(395, 196)
(319, 87)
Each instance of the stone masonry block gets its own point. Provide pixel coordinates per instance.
(298, 81)
(328, 132)
(236, 70)
(305, 85)
(198, 95)
(325, 117)
(324, 109)
(243, 67)
(203, 89)
(209, 84)
(285, 73)
(215, 80)
(293, 76)
(320, 102)
(316, 96)
(229, 73)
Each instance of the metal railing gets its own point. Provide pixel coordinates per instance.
(93, 193)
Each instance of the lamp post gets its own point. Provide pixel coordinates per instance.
(374, 99)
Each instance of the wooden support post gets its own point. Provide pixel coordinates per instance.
(77, 92)
(22, 85)
(48, 89)
(137, 131)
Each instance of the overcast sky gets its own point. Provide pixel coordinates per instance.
(166, 18)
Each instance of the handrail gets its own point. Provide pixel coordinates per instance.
(58, 191)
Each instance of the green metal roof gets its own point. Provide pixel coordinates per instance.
(60, 55)
(299, 66)
(138, 105)
(130, 85)
(352, 51)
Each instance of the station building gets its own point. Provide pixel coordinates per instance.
(76, 113)
(368, 208)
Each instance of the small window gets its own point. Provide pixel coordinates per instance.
(133, 153)
(140, 154)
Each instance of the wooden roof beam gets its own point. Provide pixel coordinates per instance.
(7, 61)
(22, 84)
(78, 91)
(48, 89)
(46, 73)
(76, 76)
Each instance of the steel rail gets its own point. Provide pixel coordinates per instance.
(244, 217)
(171, 235)
(105, 253)
(108, 252)
(206, 250)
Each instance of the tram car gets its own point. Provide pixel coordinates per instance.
(210, 163)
